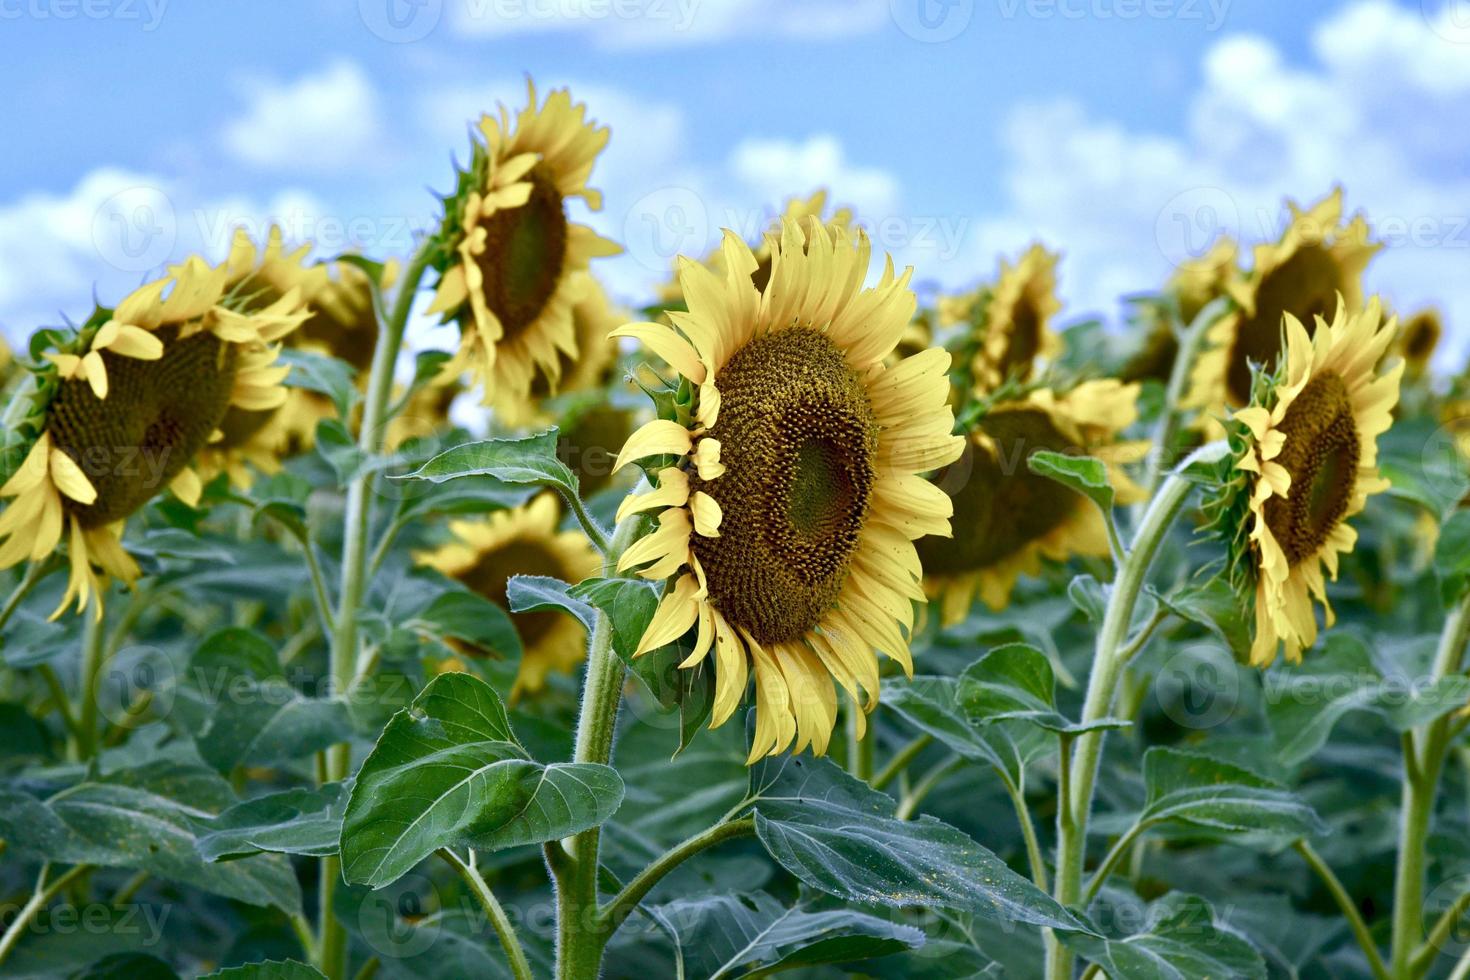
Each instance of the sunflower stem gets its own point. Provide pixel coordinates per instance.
(1170, 415)
(1424, 754)
(1074, 805)
(35, 571)
(332, 948)
(515, 954)
(859, 747)
(580, 938)
(590, 527)
(94, 638)
(1345, 903)
(39, 899)
(623, 904)
(901, 760)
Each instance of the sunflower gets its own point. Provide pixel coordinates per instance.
(1012, 517)
(522, 541)
(119, 411)
(1009, 322)
(1306, 453)
(797, 209)
(1317, 260)
(787, 515)
(248, 439)
(1192, 287)
(509, 255)
(344, 325)
(1417, 339)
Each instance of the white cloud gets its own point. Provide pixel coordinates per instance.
(667, 23)
(327, 122)
(1371, 114)
(772, 169)
(111, 231)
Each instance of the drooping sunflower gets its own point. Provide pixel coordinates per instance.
(247, 440)
(1317, 260)
(796, 209)
(1417, 340)
(121, 408)
(1012, 518)
(509, 254)
(1306, 452)
(1193, 286)
(524, 540)
(787, 515)
(1009, 321)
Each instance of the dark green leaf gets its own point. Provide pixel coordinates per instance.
(269, 970)
(1182, 941)
(295, 821)
(933, 706)
(1085, 474)
(839, 836)
(529, 593)
(724, 937)
(531, 459)
(471, 618)
(448, 772)
(629, 604)
(1015, 682)
(1205, 792)
(1452, 557)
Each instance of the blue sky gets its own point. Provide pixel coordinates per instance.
(139, 130)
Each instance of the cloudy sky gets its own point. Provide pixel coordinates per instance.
(1124, 132)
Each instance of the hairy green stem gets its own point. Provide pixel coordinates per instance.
(580, 941)
(1429, 951)
(926, 784)
(1345, 903)
(901, 760)
(1075, 805)
(1170, 416)
(1028, 831)
(35, 571)
(1424, 755)
(623, 904)
(39, 899)
(1110, 861)
(94, 636)
(515, 954)
(332, 947)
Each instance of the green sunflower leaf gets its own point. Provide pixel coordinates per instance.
(629, 603)
(542, 593)
(1182, 940)
(933, 706)
(268, 970)
(146, 819)
(127, 966)
(725, 937)
(527, 460)
(1452, 557)
(839, 836)
(296, 821)
(243, 711)
(459, 614)
(324, 375)
(449, 772)
(1200, 791)
(1016, 682)
(1085, 474)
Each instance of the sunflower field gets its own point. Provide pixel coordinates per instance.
(794, 622)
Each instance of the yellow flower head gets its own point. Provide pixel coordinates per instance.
(1317, 260)
(485, 553)
(1010, 320)
(510, 254)
(1012, 518)
(1307, 452)
(787, 517)
(797, 209)
(121, 411)
(1417, 340)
